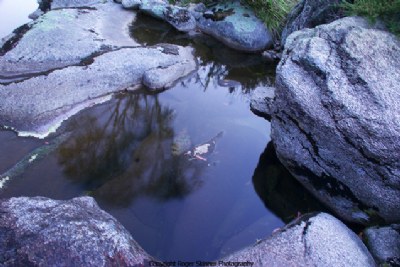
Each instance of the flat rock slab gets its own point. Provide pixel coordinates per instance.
(320, 240)
(74, 57)
(44, 232)
(37, 106)
(65, 37)
(236, 26)
(336, 124)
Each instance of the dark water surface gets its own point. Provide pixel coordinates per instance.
(125, 153)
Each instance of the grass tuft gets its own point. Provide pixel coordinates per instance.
(386, 10)
(272, 12)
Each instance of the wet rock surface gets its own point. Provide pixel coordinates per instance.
(72, 58)
(43, 232)
(311, 240)
(39, 104)
(236, 26)
(231, 23)
(384, 244)
(311, 13)
(336, 126)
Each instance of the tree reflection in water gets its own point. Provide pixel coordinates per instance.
(126, 152)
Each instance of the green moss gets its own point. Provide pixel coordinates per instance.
(386, 10)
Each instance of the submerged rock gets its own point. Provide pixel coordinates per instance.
(43, 232)
(384, 244)
(336, 124)
(181, 143)
(236, 26)
(311, 13)
(204, 150)
(320, 240)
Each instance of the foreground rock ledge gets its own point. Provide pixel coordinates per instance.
(44, 232)
(336, 124)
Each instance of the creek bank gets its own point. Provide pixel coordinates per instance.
(230, 22)
(344, 144)
(71, 58)
(42, 231)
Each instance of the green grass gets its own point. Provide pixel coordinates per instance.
(386, 10)
(272, 12)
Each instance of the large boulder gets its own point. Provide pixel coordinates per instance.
(236, 26)
(311, 13)
(336, 124)
(384, 244)
(319, 240)
(43, 232)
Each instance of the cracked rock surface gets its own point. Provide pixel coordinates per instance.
(44, 232)
(73, 57)
(336, 124)
(319, 240)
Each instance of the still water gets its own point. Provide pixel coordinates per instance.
(129, 154)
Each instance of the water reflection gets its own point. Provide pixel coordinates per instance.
(279, 190)
(233, 69)
(127, 152)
